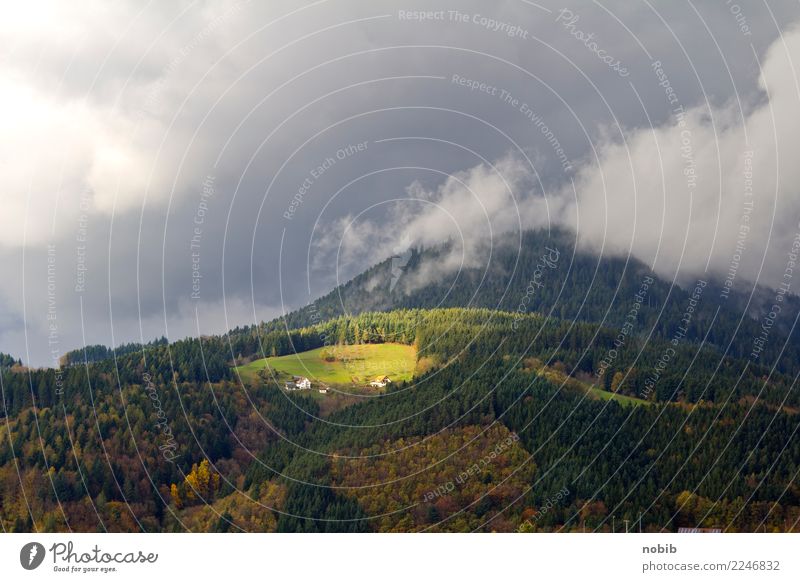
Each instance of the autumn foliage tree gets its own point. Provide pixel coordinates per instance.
(201, 485)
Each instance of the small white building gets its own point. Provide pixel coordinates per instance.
(380, 382)
(299, 383)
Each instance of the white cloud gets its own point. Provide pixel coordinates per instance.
(470, 208)
(74, 115)
(673, 196)
(685, 183)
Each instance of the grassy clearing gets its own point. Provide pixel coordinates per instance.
(621, 398)
(560, 378)
(340, 365)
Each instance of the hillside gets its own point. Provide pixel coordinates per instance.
(608, 413)
(340, 365)
(578, 286)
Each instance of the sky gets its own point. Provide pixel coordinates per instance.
(183, 168)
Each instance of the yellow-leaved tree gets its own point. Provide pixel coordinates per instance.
(202, 482)
(200, 486)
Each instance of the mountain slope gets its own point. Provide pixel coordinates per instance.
(545, 274)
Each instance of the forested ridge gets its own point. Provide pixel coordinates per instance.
(513, 421)
(98, 353)
(577, 286)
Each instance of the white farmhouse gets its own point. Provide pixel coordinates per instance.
(299, 383)
(380, 382)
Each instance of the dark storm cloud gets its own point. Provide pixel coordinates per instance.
(211, 152)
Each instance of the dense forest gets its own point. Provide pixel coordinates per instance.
(98, 353)
(600, 401)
